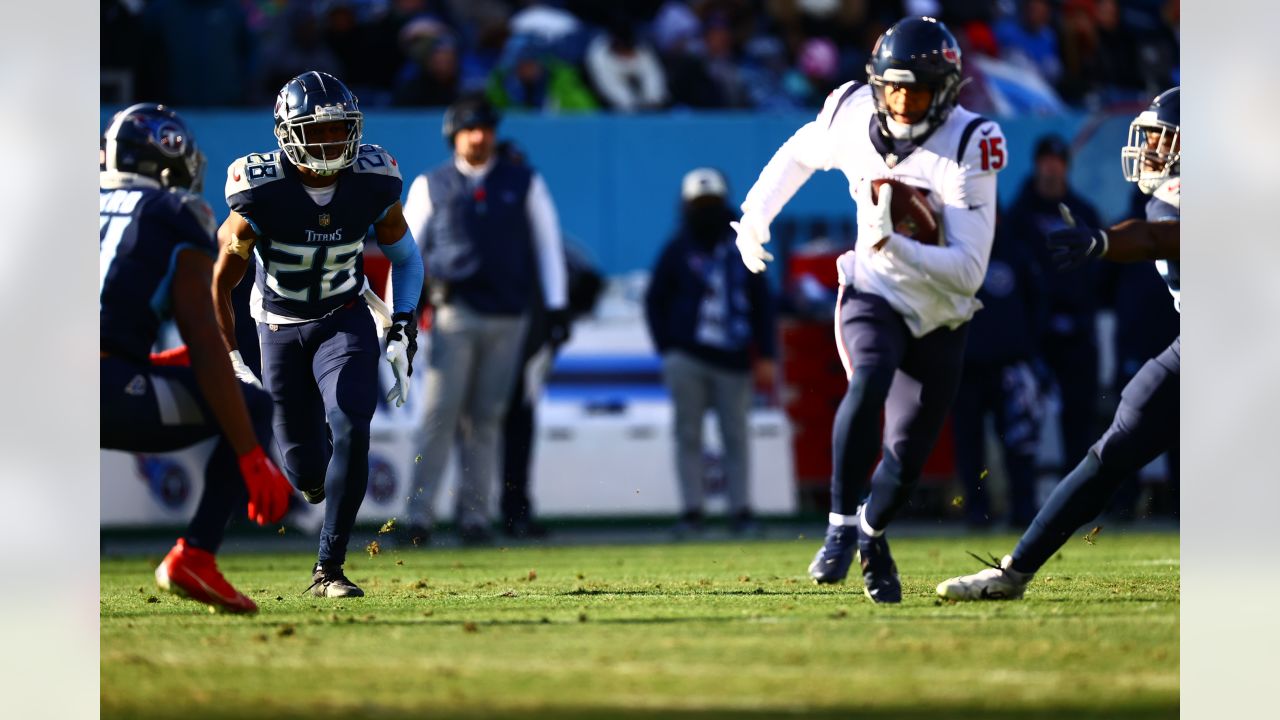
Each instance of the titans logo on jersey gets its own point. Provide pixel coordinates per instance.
(309, 255)
(1165, 205)
(142, 229)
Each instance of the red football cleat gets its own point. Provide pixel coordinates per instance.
(193, 573)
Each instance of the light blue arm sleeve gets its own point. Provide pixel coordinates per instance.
(406, 272)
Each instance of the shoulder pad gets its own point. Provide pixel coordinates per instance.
(982, 146)
(199, 209)
(837, 98)
(373, 159)
(253, 170)
(1170, 192)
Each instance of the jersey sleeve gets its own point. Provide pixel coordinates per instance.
(382, 172)
(968, 214)
(810, 148)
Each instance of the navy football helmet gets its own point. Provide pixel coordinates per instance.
(152, 140)
(917, 50)
(469, 112)
(1154, 149)
(308, 100)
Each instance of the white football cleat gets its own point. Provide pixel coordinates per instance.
(997, 582)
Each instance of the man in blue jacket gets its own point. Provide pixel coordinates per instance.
(713, 323)
(1069, 340)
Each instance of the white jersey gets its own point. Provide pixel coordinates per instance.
(956, 166)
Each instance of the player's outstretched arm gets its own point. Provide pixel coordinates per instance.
(193, 312)
(1129, 241)
(1138, 241)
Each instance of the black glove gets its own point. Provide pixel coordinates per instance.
(559, 328)
(404, 329)
(1072, 246)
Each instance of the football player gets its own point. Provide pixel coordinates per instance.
(155, 256)
(903, 308)
(305, 210)
(1146, 422)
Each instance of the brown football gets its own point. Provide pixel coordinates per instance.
(910, 211)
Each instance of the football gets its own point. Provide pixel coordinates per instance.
(910, 211)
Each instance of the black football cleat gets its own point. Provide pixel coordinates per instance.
(831, 564)
(879, 571)
(329, 581)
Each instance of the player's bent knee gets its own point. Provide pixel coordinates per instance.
(869, 384)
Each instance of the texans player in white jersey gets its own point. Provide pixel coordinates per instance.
(903, 308)
(1146, 422)
(305, 211)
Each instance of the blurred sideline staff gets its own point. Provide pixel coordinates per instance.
(713, 323)
(486, 224)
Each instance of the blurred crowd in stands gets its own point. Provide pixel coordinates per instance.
(1023, 56)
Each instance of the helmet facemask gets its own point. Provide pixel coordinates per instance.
(292, 135)
(1153, 152)
(940, 105)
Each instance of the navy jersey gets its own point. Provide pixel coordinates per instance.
(308, 254)
(142, 229)
(1165, 205)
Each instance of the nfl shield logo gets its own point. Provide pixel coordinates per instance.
(324, 219)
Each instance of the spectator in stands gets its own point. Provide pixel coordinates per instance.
(430, 77)
(292, 44)
(1157, 47)
(712, 321)
(529, 78)
(1099, 61)
(625, 71)
(721, 61)
(678, 31)
(999, 381)
(487, 227)
(799, 20)
(1069, 342)
(203, 52)
(1028, 39)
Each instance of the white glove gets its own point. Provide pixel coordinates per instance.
(874, 218)
(402, 343)
(243, 373)
(753, 233)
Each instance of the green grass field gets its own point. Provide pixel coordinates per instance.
(690, 630)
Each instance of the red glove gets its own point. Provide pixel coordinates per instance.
(172, 357)
(268, 489)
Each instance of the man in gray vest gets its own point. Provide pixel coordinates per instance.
(485, 225)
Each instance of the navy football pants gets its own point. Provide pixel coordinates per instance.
(151, 409)
(913, 379)
(323, 379)
(1145, 425)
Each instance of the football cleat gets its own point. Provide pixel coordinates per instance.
(193, 573)
(879, 572)
(997, 582)
(328, 581)
(831, 564)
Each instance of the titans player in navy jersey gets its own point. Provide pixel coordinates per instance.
(156, 251)
(305, 211)
(1146, 422)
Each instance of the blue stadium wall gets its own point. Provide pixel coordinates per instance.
(616, 179)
